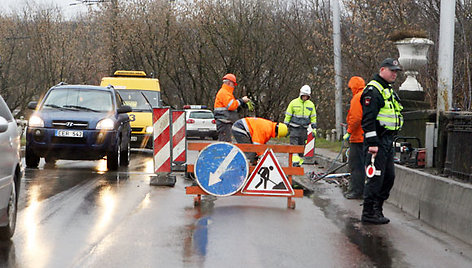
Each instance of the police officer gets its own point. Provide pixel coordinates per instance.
(381, 120)
(300, 114)
(226, 107)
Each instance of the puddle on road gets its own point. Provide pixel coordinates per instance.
(196, 234)
(377, 247)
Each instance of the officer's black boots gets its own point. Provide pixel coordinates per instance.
(370, 215)
(378, 208)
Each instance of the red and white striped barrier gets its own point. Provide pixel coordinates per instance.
(162, 144)
(179, 141)
(310, 145)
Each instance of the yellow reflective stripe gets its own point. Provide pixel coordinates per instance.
(301, 116)
(387, 115)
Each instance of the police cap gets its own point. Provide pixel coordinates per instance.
(392, 64)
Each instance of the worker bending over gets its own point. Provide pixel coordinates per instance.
(257, 130)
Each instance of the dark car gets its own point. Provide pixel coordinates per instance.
(79, 122)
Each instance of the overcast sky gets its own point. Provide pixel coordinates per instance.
(7, 6)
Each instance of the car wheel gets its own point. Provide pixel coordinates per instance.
(6, 232)
(50, 160)
(32, 160)
(125, 156)
(113, 157)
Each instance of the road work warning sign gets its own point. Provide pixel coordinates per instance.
(268, 178)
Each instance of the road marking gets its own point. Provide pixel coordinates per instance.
(215, 177)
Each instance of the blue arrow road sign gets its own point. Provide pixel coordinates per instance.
(221, 169)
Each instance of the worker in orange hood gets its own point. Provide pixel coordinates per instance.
(355, 136)
(257, 131)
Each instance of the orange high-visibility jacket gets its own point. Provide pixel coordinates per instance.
(226, 105)
(260, 129)
(354, 115)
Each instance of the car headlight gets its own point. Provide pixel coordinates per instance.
(149, 129)
(106, 123)
(35, 121)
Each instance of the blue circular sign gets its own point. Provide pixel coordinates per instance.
(221, 169)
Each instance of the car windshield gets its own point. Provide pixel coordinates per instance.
(79, 99)
(201, 115)
(136, 100)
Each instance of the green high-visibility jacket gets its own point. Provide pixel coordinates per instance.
(300, 114)
(389, 115)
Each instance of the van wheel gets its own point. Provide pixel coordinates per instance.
(50, 160)
(32, 160)
(7, 231)
(113, 157)
(125, 156)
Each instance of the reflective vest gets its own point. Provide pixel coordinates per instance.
(226, 105)
(300, 113)
(260, 129)
(389, 115)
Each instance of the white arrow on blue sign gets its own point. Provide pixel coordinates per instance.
(221, 169)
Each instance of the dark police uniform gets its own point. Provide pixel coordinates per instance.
(381, 120)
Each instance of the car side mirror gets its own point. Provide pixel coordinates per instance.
(32, 105)
(3, 124)
(124, 109)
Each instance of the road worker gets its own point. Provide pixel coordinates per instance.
(257, 130)
(226, 107)
(381, 120)
(300, 114)
(355, 137)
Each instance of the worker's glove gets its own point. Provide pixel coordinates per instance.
(347, 136)
(250, 106)
(314, 132)
(242, 104)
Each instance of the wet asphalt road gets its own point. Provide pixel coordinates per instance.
(77, 214)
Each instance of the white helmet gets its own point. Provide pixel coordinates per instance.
(305, 90)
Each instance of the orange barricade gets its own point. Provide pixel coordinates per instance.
(257, 148)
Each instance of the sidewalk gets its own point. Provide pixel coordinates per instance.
(442, 203)
(324, 160)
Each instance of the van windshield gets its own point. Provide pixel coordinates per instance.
(136, 100)
(79, 99)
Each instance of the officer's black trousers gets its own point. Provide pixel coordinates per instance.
(377, 188)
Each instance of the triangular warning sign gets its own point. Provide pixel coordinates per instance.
(268, 178)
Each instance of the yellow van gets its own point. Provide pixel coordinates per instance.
(142, 94)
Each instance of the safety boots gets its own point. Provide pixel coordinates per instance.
(378, 208)
(371, 214)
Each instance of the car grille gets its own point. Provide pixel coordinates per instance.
(137, 129)
(67, 140)
(68, 124)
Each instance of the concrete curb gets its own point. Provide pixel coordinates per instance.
(442, 203)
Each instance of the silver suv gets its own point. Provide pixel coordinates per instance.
(10, 171)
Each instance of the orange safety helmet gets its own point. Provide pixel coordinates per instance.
(230, 77)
